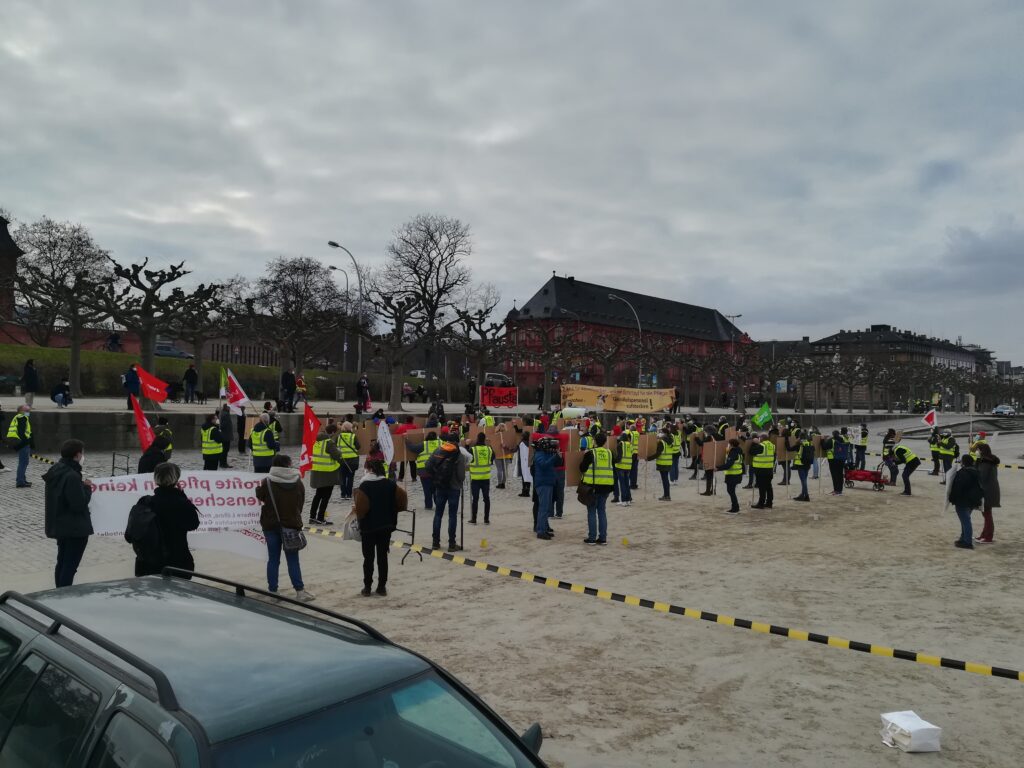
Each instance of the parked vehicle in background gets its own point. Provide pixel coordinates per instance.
(162, 672)
(167, 349)
(1004, 410)
(492, 379)
(418, 374)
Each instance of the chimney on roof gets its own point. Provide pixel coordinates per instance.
(571, 278)
(806, 339)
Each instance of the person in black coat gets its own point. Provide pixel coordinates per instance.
(175, 517)
(30, 381)
(227, 434)
(66, 510)
(153, 456)
(288, 390)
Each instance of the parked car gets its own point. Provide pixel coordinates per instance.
(161, 672)
(419, 373)
(497, 380)
(169, 350)
(1004, 410)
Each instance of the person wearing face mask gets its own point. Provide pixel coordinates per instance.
(66, 510)
(211, 442)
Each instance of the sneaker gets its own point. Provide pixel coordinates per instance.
(303, 596)
(435, 544)
(601, 542)
(558, 516)
(453, 547)
(906, 493)
(836, 493)
(757, 506)
(365, 592)
(487, 522)
(5, 469)
(627, 504)
(545, 536)
(500, 486)
(326, 522)
(23, 485)
(382, 591)
(590, 541)
(731, 511)
(979, 540)
(961, 545)
(707, 493)
(472, 521)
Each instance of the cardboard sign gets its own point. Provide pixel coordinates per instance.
(572, 467)
(499, 397)
(618, 399)
(365, 432)
(713, 454)
(250, 422)
(502, 443)
(648, 445)
(819, 452)
(781, 452)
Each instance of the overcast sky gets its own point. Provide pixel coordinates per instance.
(813, 166)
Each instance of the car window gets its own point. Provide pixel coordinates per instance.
(50, 722)
(15, 690)
(431, 707)
(8, 645)
(126, 744)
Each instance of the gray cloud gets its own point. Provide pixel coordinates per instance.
(801, 164)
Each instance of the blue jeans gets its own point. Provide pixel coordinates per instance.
(23, 456)
(966, 531)
(814, 475)
(622, 480)
(674, 473)
(190, 392)
(802, 471)
(274, 561)
(545, 494)
(428, 491)
(862, 452)
(597, 518)
(348, 476)
(558, 495)
(69, 557)
(664, 481)
(451, 497)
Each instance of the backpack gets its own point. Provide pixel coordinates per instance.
(143, 533)
(440, 467)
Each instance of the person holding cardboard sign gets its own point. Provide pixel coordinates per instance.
(762, 461)
(733, 469)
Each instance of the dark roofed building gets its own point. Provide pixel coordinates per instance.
(9, 255)
(565, 306)
(887, 344)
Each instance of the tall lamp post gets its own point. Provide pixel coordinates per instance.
(348, 314)
(359, 335)
(639, 337)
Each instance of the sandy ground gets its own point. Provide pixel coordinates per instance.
(617, 685)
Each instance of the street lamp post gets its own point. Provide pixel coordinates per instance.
(348, 315)
(639, 338)
(359, 335)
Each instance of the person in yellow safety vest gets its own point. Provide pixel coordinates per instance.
(423, 452)
(623, 466)
(486, 420)
(948, 451)
(210, 442)
(324, 474)
(19, 438)
(598, 471)
(634, 472)
(905, 456)
(273, 423)
(862, 447)
(663, 463)
(980, 441)
(803, 447)
(933, 448)
(676, 449)
(263, 445)
(348, 447)
(163, 429)
(480, 477)
(762, 461)
(733, 469)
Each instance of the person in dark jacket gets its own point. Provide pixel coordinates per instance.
(545, 460)
(153, 456)
(227, 434)
(66, 511)
(132, 384)
(163, 429)
(30, 381)
(832, 446)
(263, 444)
(283, 497)
(191, 382)
(376, 504)
(175, 517)
(966, 494)
(988, 473)
(61, 393)
(288, 390)
(733, 469)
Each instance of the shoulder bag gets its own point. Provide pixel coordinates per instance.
(292, 539)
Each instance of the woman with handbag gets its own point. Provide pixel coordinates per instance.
(376, 504)
(283, 496)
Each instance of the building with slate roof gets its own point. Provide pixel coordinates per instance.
(9, 255)
(586, 311)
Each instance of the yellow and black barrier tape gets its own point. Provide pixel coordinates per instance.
(701, 615)
(43, 459)
(927, 458)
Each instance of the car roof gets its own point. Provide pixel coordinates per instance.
(236, 664)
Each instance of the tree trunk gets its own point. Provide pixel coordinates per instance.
(547, 390)
(774, 397)
(75, 363)
(801, 389)
(686, 390)
(395, 393)
(741, 401)
(702, 391)
(888, 400)
(849, 389)
(147, 335)
(828, 399)
(871, 398)
(197, 348)
(609, 372)
(447, 379)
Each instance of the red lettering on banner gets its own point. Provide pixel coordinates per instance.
(499, 397)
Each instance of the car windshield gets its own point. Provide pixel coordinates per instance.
(418, 722)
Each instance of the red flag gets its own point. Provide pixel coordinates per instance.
(236, 396)
(310, 429)
(142, 425)
(152, 388)
(931, 418)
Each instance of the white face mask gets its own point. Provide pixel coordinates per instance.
(81, 460)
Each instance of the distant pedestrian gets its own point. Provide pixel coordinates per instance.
(663, 463)
(545, 460)
(175, 516)
(288, 385)
(283, 498)
(153, 456)
(348, 449)
(132, 384)
(61, 393)
(325, 473)
(832, 446)
(191, 382)
(407, 426)
(227, 435)
(910, 462)
(30, 381)
(376, 503)
(66, 511)
(966, 494)
(801, 446)
(988, 474)
(363, 394)
(762, 464)
(20, 440)
(480, 477)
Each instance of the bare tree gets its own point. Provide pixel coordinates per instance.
(140, 301)
(297, 304)
(773, 368)
(62, 267)
(553, 345)
(607, 349)
(476, 335)
(740, 361)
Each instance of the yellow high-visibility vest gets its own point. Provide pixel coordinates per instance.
(766, 458)
(259, 443)
(480, 466)
(601, 472)
(322, 460)
(210, 446)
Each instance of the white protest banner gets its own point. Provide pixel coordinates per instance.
(387, 445)
(229, 512)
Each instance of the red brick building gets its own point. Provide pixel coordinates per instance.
(574, 329)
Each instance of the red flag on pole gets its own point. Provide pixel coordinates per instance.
(142, 425)
(236, 397)
(931, 418)
(310, 429)
(152, 388)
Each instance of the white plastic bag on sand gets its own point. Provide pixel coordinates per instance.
(909, 732)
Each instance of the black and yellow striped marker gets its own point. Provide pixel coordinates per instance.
(1001, 466)
(43, 459)
(696, 613)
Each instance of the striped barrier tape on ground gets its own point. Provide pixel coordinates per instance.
(715, 618)
(1001, 466)
(43, 459)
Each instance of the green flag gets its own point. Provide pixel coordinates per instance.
(763, 415)
(223, 383)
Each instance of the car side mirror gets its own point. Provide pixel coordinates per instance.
(533, 737)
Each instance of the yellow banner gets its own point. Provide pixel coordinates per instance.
(617, 399)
